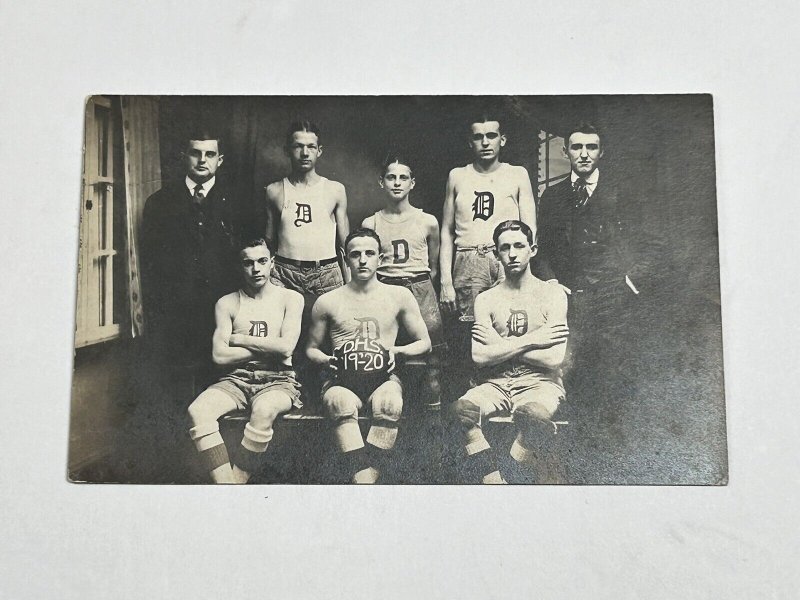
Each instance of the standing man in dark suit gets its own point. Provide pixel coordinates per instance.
(188, 240)
(584, 245)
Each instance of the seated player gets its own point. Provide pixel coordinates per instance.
(410, 249)
(256, 331)
(361, 321)
(518, 341)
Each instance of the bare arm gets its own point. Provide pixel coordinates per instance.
(274, 200)
(527, 202)
(342, 227)
(489, 348)
(448, 294)
(553, 356)
(221, 352)
(411, 320)
(433, 246)
(317, 332)
(284, 343)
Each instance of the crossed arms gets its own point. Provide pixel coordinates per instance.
(544, 347)
(229, 348)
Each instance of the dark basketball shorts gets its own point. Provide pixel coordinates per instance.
(475, 270)
(244, 386)
(386, 405)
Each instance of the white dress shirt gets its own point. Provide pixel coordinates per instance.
(591, 180)
(206, 186)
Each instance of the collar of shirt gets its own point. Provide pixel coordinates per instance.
(591, 180)
(206, 186)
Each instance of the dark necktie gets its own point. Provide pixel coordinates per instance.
(199, 194)
(581, 193)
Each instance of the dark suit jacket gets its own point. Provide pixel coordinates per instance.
(586, 246)
(188, 263)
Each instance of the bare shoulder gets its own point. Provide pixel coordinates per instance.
(275, 192)
(369, 222)
(336, 188)
(488, 296)
(228, 302)
(291, 297)
(400, 295)
(553, 293)
(430, 220)
(329, 299)
(456, 173)
(519, 172)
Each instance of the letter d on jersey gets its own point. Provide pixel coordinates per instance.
(400, 251)
(517, 323)
(258, 328)
(369, 330)
(483, 207)
(303, 214)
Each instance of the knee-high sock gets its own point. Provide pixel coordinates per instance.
(209, 443)
(382, 434)
(475, 441)
(348, 435)
(358, 468)
(481, 458)
(251, 451)
(520, 452)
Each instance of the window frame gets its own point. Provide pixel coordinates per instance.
(95, 297)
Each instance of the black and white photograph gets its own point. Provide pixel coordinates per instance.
(399, 290)
(259, 254)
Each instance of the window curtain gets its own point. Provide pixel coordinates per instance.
(142, 178)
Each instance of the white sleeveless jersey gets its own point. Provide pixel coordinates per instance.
(404, 244)
(482, 202)
(308, 226)
(261, 318)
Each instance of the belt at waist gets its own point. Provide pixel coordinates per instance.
(305, 264)
(251, 369)
(403, 280)
(481, 248)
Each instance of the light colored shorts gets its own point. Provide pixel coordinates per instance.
(475, 270)
(244, 386)
(504, 393)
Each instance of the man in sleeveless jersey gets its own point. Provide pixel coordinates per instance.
(308, 217)
(478, 197)
(518, 342)
(256, 332)
(410, 258)
(365, 313)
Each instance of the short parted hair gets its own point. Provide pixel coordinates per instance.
(255, 242)
(581, 128)
(393, 158)
(302, 125)
(512, 225)
(202, 135)
(362, 232)
(485, 117)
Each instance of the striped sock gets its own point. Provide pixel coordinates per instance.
(475, 441)
(520, 453)
(250, 453)
(213, 453)
(382, 434)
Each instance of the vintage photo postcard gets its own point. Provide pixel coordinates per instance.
(398, 290)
